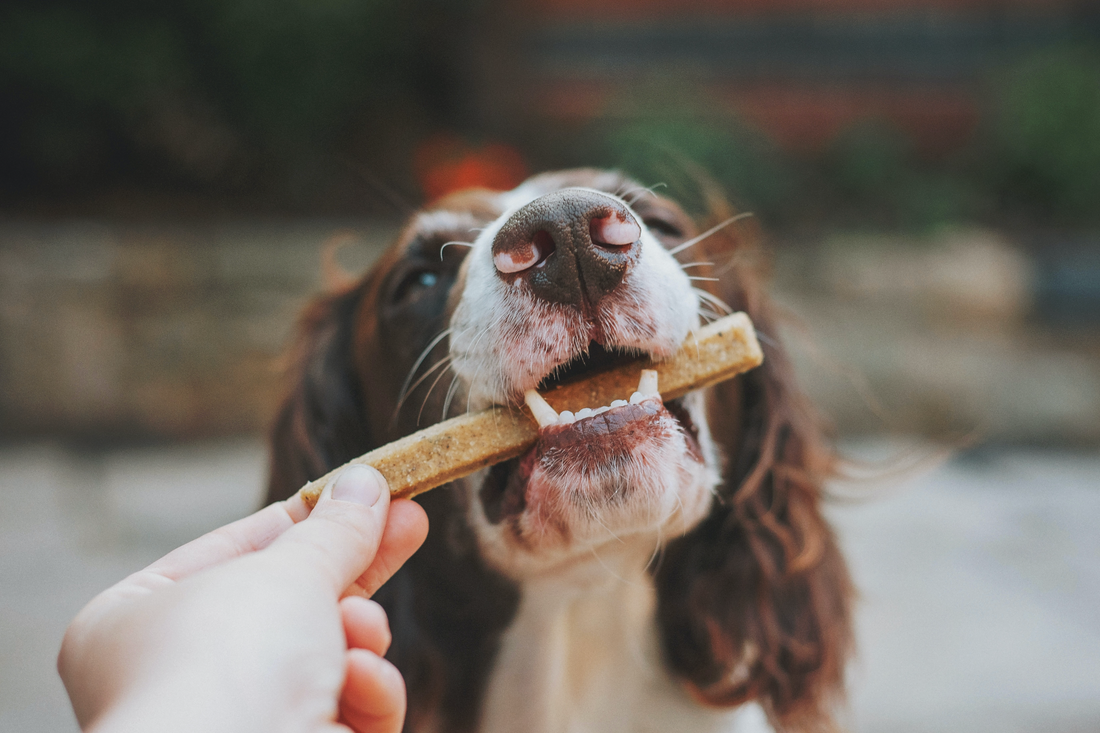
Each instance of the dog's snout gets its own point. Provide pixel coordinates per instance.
(573, 246)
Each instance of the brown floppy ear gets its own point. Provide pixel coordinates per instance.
(753, 604)
(321, 423)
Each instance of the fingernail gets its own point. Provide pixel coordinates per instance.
(358, 484)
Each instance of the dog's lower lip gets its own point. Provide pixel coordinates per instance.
(504, 490)
(605, 425)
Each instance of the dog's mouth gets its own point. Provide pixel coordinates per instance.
(594, 359)
(588, 456)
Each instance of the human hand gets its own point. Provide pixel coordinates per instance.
(261, 625)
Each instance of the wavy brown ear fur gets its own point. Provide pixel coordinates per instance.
(753, 604)
(321, 423)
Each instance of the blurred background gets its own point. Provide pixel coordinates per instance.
(926, 172)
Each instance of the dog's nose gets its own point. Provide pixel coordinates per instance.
(573, 246)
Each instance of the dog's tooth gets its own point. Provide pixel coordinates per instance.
(600, 410)
(636, 398)
(619, 403)
(583, 413)
(540, 408)
(565, 417)
(647, 383)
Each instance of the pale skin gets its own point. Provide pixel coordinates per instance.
(262, 625)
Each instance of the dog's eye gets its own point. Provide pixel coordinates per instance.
(414, 283)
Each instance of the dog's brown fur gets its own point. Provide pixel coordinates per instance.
(753, 603)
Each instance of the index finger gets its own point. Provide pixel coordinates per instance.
(340, 539)
(406, 528)
(244, 536)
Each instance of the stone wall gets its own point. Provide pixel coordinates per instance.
(940, 336)
(111, 330)
(124, 331)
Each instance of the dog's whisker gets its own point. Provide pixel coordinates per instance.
(695, 338)
(656, 548)
(713, 300)
(704, 279)
(706, 294)
(711, 307)
(450, 394)
(713, 230)
(708, 315)
(592, 515)
(641, 191)
(471, 349)
(406, 386)
(456, 243)
(695, 264)
(428, 396)
(611, 571)
(718, 309)
(420, 360)
(626, 189)
(765, 338)
(658, 556)
(444, 362)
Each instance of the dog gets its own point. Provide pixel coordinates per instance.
(665, 570)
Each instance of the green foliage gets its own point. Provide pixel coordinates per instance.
(677, 151)
(1046, 133)
(90, 85)
(64, 51)
(261, 95)
(870, 159)
(873, 167)
(936, 199)
(295, 67)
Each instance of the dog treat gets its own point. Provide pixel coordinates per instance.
(457, 447)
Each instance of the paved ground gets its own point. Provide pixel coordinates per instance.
(980, 577)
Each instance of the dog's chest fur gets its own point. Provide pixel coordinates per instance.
(582, 655)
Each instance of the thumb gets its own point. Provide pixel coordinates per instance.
(340, 537)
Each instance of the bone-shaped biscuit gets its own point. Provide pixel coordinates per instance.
(457, 447)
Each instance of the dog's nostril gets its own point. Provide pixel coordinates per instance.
(614, 230)
(544, 243)
(526, 254)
